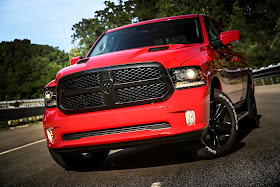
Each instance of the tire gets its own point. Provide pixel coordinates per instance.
(222, 131)
(252, 117)
(79, 161)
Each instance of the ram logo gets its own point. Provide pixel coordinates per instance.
(107, 86)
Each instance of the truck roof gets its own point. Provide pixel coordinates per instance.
(155, 20)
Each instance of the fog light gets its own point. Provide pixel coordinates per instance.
(50, 134)
(190, 117)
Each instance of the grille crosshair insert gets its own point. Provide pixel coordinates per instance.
(130, 85)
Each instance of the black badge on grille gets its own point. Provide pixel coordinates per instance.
(107, 86)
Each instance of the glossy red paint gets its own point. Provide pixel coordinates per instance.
(230, 36)
(51, 84)
(204, 30)
(75, 60)
(170, 58)
(172, 110)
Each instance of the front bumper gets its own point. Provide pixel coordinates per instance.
(161, 140)
(171, 111)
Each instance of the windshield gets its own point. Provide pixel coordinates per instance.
(181, 31)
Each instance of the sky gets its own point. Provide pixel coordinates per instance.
(41, 20)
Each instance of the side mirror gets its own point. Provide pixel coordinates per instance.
(226, 38)
(229, 37)
(75, 60)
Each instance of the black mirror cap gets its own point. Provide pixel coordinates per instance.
(217, 43)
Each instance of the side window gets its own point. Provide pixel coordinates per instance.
(218, 29)
(212, 32)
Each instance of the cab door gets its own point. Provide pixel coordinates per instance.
(233, 75)
(227, 68)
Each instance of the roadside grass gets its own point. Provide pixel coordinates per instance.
(276, 80)
(5, 125)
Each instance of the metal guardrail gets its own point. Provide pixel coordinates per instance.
(22, 103)
(268, 72)
(7, 114)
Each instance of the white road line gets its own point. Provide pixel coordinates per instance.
(22, 146)
(156, 184)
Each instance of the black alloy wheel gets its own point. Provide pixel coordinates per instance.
(220, 125)
(222, 134)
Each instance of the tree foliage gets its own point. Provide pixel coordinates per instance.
(256, 21)
(26, 68)
(115, 15)
(276, 41)
(86, 32)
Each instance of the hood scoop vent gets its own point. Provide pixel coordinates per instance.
(83, 61)
(159, 48)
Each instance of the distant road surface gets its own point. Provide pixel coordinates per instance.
(25, 160)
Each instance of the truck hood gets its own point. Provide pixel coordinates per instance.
(174, 56)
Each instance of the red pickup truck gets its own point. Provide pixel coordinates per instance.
(171, 79)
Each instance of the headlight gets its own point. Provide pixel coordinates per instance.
(50, 97)
(187, 77)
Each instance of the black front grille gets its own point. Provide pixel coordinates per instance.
(142, 92)
(82, 101)
(153, 126)
(136, 74)
(86, 81)
(114, 87)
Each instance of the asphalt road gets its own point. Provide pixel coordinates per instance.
(255, 162)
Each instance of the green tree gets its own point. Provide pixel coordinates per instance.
(145, 9)
(275, 45)
(75, 52)
(115, 15)
(86, 32)
(26, 68)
